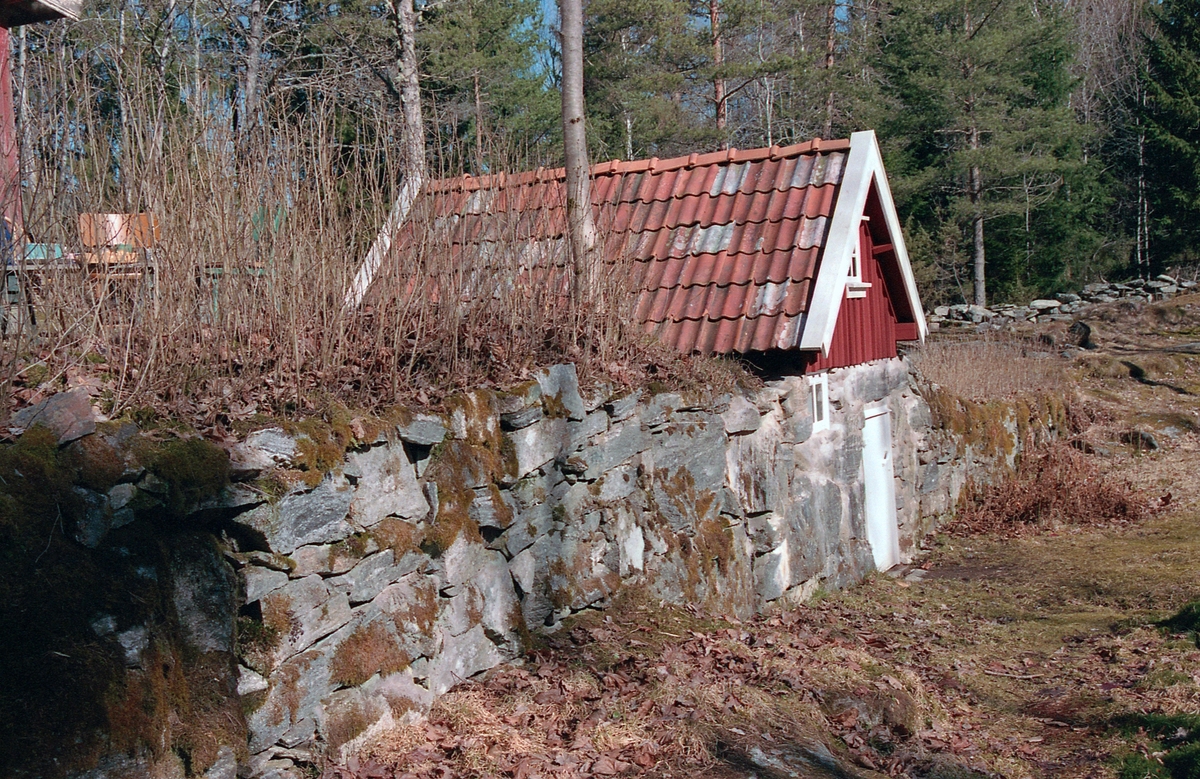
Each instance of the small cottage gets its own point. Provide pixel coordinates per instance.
(791, 257)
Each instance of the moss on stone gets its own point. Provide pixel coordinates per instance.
(97, 464)
(193, 469)
(422, 611)
(553, 406)
(456, 468)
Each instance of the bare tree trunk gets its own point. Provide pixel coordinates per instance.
(29, 171)
(975, 191)
(413, 139)
(1143, 210)
(410, 89)
(830, 43)
(197, 103)
(254, 51)
(714, 20)
(478, 124)
(580, 224)
(628, 137)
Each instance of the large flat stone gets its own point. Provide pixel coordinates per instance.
(423, 430)
(317, 516)
(203, 593)
(618, 445)
(369, 577)
(259, 581)
(263, 449)
(387, 486)
(68, 415)
(561, 383)
(309, 609)
(297, 688)
(539, 444)
(461, 658)
(741, 417)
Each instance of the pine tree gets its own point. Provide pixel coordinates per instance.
(1171, 118)
(482, 60)
(980, 129)
(643, 82)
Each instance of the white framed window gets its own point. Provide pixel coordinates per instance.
(818, 398)
(855, 287)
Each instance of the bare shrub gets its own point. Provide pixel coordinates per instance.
(989, 367)
(1053, 485)
(262, 231)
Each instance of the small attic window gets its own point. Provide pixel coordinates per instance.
(855, 287)
(818, 395)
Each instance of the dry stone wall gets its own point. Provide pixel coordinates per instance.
(433, 552)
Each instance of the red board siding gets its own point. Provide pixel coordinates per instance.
(10, 169)
(866, 327)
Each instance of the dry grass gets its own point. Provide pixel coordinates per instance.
(990, 368)
(1015, 658)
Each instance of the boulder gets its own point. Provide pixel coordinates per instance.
(462, 657)
(250, 681)
(68, 415)
(539, 444)
(372, 575)
(203, 593)
(1044, 305)
(330, 558)
(620, 409)
(741, 417)
(262, 449)
(516, 420)
(259, 581)
(310, 610)
(560, 385)
(423, 430)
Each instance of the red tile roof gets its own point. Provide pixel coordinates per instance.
(725, 246)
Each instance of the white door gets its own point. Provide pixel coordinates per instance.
(879, 487)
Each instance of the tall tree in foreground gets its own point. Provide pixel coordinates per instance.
(405, 18)
(581, 226)
(1172, 121)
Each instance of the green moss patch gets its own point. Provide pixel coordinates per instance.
(193, 469)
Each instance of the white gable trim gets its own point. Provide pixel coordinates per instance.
(864, 166)
(383, 242)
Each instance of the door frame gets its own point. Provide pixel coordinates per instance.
(885, 545)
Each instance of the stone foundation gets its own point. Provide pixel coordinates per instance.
(432, 553)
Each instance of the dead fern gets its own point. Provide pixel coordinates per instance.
(1053, 485)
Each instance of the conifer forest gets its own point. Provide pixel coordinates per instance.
(1059, 138)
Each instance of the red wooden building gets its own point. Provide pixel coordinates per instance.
(786, 249)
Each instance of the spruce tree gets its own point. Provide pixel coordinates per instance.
(1171, 116)
(980, 129)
